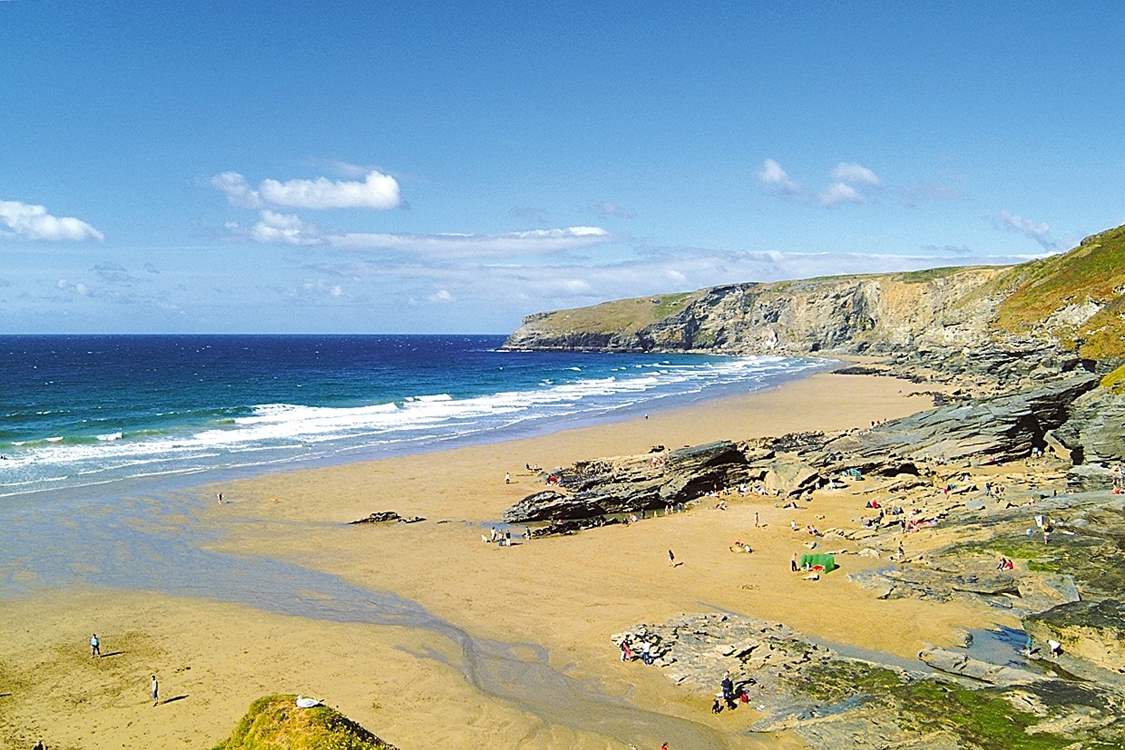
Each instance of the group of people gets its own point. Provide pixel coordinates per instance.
(646, 655)
(501, 538)
(730, 695)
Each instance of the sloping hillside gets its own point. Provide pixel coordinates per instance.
(1075, 298)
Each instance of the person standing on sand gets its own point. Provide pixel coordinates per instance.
(793, 563)
(154, 690)
(671, 558)
(95, 645)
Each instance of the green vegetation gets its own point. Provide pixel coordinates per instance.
(1115, 381)
(1093, 271)
(619, 316)
(1091, 560)
(982, 719)
(929, 274)
(275, 723)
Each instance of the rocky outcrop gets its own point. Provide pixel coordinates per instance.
(1094, 431)
(1094, 631)
(386, 516)
(998, 429)
(960, 664)
(648, 482)
(832, 702)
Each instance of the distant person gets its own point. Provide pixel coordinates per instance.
(507, 478)
(672, 558)
(716, 707)
(219, 497)
(154, 690)
(95, 645)
(755, 519)
(793, 563)
(39, 746)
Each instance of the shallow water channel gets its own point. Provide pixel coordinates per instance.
(153, 545)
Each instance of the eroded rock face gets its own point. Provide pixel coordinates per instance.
(1003, 428)
(1094, 431)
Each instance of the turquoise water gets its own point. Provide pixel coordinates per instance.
(82, 411)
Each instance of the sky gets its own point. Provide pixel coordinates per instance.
(451, 167)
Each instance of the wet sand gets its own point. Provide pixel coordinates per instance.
(453, 677)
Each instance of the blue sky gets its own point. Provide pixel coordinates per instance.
(295, 166)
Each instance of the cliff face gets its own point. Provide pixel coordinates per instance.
(852, 313)
(1076, 299)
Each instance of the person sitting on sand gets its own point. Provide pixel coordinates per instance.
(721, 505)
(507, 478)
(793, 526)
(716, 707)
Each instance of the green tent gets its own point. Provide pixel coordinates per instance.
(828, 562)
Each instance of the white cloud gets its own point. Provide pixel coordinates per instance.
(238, 191)
(336, 290)
(441, 295)
(285, 229)
(1036, 230)
(855, 174)
(32, 222)
(840, 192)
(375, 191)
(611, 210)
(774, 178)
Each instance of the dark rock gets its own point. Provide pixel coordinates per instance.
(387, 516)
(550, 504)
(639, 483)
(1094, 431)
(997, 429)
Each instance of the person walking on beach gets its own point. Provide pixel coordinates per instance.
(95, 645)
(154, 690)
(672, 558)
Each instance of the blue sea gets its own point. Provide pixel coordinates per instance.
(88, 411)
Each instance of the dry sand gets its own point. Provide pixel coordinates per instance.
(566, 594)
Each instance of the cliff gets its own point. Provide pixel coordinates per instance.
(1075, 300)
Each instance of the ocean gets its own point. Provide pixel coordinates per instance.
(88, 411)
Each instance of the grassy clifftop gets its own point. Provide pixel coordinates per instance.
(275, 723)
(1062, 291)
(622, 315)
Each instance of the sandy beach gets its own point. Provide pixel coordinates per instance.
(541, 613)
